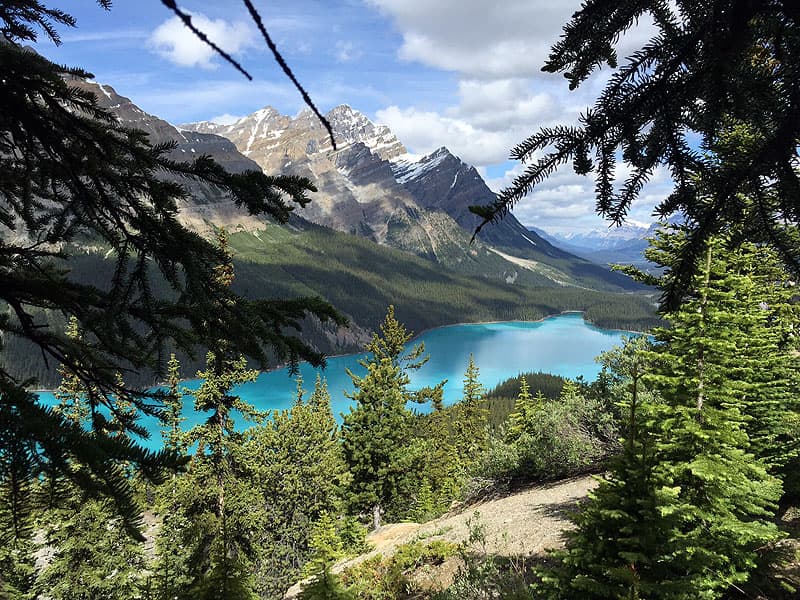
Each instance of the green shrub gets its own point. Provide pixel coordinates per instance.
(500, 461)
(552, 440)
(387, 578)
(560, 443)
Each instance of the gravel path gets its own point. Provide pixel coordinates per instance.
(524, 523)
(527, 522)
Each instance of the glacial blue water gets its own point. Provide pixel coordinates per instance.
(563, 345)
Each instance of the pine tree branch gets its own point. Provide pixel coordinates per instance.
(285, 67)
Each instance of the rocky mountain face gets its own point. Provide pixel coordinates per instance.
(357, 191)
(442, 181)
(207, 205)
(370, 186)
(371, 172)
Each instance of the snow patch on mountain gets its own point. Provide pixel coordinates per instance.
(351, 127)
(405, 170)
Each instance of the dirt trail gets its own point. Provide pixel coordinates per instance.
(524, 523)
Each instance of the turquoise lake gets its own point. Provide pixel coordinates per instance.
(563, 345)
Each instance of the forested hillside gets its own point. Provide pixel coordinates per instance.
(360, 278)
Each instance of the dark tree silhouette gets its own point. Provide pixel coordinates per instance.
(71, 175)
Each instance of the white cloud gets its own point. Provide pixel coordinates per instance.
(490, 118)
(566, 201)
(482, 39)
(423, 132)
(226, 119)
(477, 38)
(497, 53)
(175, 42)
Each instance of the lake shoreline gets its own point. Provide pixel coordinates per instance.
(545, 318)
(422, 333)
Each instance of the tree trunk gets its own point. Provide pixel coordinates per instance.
(376, 517)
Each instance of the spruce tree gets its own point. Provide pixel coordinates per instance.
(525, 411)
(747, 346)
(171, 570)
(686, 508)
(18, 511)
(471, 420)
(297, 471)
(94, 556)
(215, 496)
(375, 433)
(433, 466)
(172, 417)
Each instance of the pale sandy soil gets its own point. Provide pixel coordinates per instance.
(521, 524)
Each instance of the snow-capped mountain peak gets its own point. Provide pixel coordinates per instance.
(351, 127)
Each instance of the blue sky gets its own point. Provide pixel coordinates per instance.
(455, 73)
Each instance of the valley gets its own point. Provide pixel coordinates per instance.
(382, 227)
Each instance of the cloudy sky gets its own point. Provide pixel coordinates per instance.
(457, 73)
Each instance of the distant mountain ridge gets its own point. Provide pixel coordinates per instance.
(602, 239)
(616, 245)
(372, 187)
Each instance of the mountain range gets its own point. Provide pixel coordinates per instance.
(369, 186)
(385, 227)
(614, 245)
(372, 187)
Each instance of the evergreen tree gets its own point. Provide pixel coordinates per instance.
(172, 433)
(374, 436)
(685, 509)
(375, 433)
(17, 511)
(433, 471)
(216, 495)
(295, 465)
(171, 571)
(526, 408)
(471, 421)
(619, 385)
(325, 543)
(747, 345)
(94, 557)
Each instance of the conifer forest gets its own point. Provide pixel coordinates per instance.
(142, 281)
